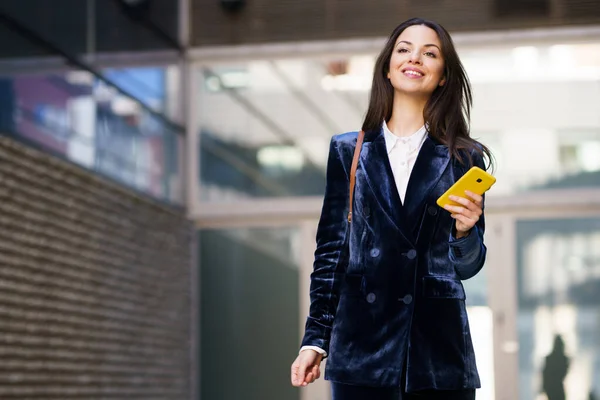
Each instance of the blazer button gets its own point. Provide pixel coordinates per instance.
(407, 299)
(374, 253)
(371, 298)
(432, 210)
(412, 254)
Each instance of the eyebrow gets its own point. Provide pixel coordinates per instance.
(426, 45)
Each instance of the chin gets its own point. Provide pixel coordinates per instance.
(413, 92)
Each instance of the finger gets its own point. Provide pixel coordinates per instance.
(477, 198)
(457, 209)
(301, 374)
(295, 380)
(466, 222)
(315, 372)
(294, 371)
(467, 203)
(472, 214)
(309, 378)
(453, 209)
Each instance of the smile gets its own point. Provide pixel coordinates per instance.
(412, 74)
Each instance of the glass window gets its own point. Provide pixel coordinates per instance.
(155, 86)
(82, 119)
(536, 107)
(558, 263)
(265, 125)
(249, 317)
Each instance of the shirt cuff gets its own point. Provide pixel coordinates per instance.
(315, 348)
(466, 249)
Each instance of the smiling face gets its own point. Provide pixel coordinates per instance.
(417, 64)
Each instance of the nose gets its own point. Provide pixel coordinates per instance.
(415, 57)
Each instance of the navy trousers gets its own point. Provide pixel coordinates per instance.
(349, 392)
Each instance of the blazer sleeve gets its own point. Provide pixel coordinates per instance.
(331, 253)
(468, 253)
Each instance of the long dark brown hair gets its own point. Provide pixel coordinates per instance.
(447, 111)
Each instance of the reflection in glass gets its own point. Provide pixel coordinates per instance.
(78, 117)
(294, 106)
(266, 125)
(250, 323)
(554, 113)
(559, 308)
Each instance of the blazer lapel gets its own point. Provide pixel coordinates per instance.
(375, 162)
(427, 171)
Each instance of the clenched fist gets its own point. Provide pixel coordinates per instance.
(306, 368)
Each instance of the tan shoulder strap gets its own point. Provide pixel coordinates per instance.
(359, 142)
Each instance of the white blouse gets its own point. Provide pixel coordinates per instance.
(402, 153)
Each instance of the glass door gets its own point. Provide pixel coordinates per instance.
(544, 292)
(558, 314)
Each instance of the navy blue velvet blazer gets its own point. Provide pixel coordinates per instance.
(386, 289)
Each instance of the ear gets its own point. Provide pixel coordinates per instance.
(442, 82)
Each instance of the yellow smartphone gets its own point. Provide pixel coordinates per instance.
(475, 180)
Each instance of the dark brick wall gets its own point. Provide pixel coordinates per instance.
(94, 286)
(263, 21)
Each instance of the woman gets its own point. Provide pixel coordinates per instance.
(387, 302)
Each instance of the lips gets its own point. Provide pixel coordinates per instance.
(413, 73)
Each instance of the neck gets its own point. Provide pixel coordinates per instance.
(407, 115)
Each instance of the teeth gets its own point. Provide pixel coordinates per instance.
(415, 73)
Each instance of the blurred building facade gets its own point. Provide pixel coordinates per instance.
(96, 250)
(222, 111)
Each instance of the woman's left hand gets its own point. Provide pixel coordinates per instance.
(467, 214)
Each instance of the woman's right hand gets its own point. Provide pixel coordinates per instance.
(306, 368)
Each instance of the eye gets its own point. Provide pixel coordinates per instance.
(401, 50)
(430, 54)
